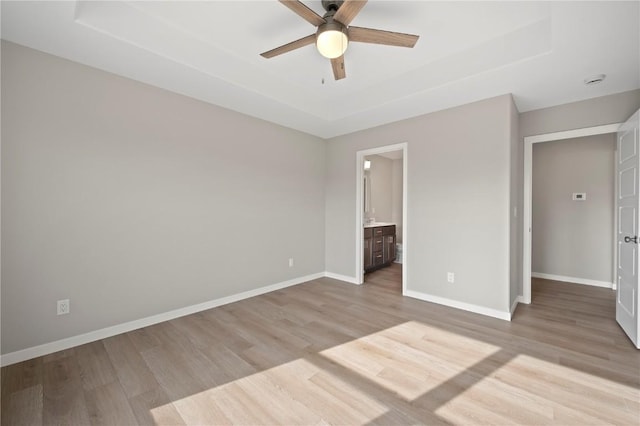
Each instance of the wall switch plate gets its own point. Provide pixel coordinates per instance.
(451, 277)
(64, 307)
(291, 262)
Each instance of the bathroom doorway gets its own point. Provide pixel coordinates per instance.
(381, 200)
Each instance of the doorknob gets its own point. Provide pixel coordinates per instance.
(629, 239)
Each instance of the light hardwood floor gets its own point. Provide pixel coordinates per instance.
(330, 352)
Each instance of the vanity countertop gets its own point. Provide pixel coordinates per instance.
(376, 224)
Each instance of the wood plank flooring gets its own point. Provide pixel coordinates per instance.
(329, 352)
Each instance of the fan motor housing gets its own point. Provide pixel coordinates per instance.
(331, 5)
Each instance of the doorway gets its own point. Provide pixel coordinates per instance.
(361, 190)
(528, 194)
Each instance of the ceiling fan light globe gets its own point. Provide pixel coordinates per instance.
(332, 42)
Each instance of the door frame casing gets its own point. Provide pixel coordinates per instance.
(360, 207)
(528, 186)
(628, 321)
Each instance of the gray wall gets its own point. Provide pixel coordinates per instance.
(396, 197)
(615, 108)
(515, 213)
(574, 238)
(380, 181)
(458, 200)
(133, 201)
(591, 112)
(115, 193)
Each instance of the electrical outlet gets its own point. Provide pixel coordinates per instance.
(291, 262)
(451, 277)
(64, 307)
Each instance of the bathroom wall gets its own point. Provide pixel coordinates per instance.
(380, 181)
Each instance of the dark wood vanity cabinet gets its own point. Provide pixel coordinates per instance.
(389, 247)
(379, 247)
(368, 249)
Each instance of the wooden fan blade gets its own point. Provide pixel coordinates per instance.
(348, 10)
(304, 12)
(369, 35)
(338, 68)
(305, 41)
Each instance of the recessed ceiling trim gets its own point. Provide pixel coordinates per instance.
(124, 21)
(518, 46)
(468, 51)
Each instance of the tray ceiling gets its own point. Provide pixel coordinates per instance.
(539, 51)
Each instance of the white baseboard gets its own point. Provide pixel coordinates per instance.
(574, 280)
(92, 336)
(345, 278)
(459, 305)
(514, 305)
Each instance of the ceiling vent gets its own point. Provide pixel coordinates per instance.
(596, 79)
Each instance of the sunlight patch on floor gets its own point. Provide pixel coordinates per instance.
(517, 389)
(459, 379)
(476, 393)
(539, 372)
(410, 359)
(298, 392)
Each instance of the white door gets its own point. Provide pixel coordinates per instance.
(628, 207)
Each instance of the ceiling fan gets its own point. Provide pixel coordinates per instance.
(334, 33)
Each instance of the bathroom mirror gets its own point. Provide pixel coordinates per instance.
(382, 188)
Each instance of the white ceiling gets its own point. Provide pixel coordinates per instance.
(539, 51)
